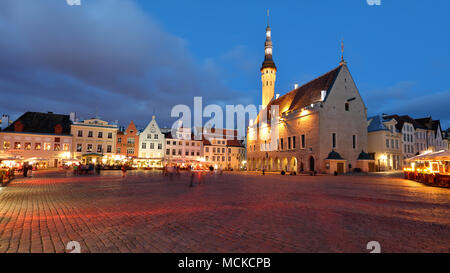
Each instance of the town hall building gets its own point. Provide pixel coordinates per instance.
(318, 127)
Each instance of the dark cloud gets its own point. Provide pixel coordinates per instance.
(405, 98)
(105, 57)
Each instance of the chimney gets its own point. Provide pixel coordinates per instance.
(296, 86)
(73, 116)
(277, 96)
(5, 122)
(323, 94)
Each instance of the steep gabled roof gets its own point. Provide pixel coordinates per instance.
(306, 94)
(41, 123)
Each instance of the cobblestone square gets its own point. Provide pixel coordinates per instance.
(233, 212)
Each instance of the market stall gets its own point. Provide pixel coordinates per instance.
(8, 165)
(430, 168)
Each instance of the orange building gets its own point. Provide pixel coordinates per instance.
(128, 141)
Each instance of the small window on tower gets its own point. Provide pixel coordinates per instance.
(347, 107)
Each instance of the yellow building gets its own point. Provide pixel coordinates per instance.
(94, 140)
(385, 143)
(222, 149)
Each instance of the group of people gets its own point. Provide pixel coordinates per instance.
(27, 170)
(91, 168)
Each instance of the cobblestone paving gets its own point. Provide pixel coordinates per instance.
(146, 212)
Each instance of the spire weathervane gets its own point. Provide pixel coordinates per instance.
(342, 51)
(268, 17)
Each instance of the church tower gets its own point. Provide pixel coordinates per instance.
(268, 70)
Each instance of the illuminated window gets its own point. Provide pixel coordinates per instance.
(47, 146)
(37, 146)
(79, 148)
(100, 134)
(6, 145)
(17, 145)
(99, 148)
(109, 149)
(27, 145)
(90, 134)
(89, 148)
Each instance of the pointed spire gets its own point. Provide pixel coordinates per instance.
(268, 61)
(343, 62)
(268, 17)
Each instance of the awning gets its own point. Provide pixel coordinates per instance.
(436, 156)
(92, 154)
(36, 159)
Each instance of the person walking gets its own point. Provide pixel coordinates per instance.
(25, 170)
(30, 171)
(124, 171)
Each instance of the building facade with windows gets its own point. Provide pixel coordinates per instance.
(222, 149)
(385, 143)
(310, 126)
(183, 149)
(152, 146)
(434, 137)
(41, 139)
(94, 140)
(128, 142)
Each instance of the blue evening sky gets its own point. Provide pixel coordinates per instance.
(129, 59)
(398, 53)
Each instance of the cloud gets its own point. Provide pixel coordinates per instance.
(104, 57)
(404, 98)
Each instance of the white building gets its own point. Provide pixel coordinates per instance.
(151, 146)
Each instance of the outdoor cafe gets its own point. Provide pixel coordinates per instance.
(432, 168)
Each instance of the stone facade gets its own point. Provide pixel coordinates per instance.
(324, 115)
